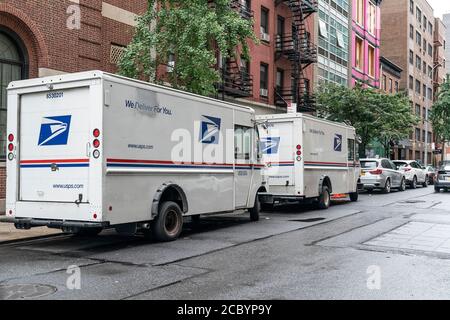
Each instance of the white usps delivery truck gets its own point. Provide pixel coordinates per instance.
(92, 150)
(308, 158)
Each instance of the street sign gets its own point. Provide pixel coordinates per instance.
(437, 151)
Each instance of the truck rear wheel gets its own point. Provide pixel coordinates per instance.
(254, 212)
(168, 225)
(354, 196)
(324, 199)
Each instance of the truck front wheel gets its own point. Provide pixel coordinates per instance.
(254, 212)
(324, 199)
(168, 225)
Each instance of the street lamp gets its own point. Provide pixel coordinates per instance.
(426, 113)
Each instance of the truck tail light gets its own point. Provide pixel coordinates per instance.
(96, 133)
(96, 143)
(11, 138)
(299, 153)
(376, 172)
(11, 147)
(299, 147)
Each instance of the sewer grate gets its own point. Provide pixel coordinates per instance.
(25, 291)
(309, 220)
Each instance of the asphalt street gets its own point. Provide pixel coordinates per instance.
(394, 246)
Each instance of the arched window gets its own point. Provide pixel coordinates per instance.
(12, 65)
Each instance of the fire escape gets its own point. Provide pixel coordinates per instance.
(301, 52)
(236, 81)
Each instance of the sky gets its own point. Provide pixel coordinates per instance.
(440, 7)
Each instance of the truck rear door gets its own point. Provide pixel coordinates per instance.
(278, 153)
(54, 146)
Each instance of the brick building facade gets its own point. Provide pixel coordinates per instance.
(407, 39)
(46, 37)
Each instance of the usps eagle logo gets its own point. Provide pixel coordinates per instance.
(338, 142)
(270, 145)
(54, 131)
(210, 130)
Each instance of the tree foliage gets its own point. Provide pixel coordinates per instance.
(375, 116)
(440, 114)
(194, 32)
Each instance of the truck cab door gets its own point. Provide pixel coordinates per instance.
(353, 168)
(243, 171)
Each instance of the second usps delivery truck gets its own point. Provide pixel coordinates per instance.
(308, 158)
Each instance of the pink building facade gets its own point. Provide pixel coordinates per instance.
(365, 36)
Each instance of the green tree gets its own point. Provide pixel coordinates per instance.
(375, 116)
(440, 114)
(191, 31)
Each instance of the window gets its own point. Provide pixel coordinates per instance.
(242, 142)
(424, 113)
(411, 83)
(419, 15)
(430, 94)
(411, 57)
(424, 90)
(351, 150)
(418, 38)
(424, 68)
(264, 20)
(280, 26)
(391, 88)
(371, 61)
(359, 54)
(360, 12)
(430, 72)
(430, 28)
(417, 134)
(12, 65)
(384, 83)
(418, 110)
(372, 18)
(424, 46)
(264, 79)
(411, 31)
(340, 39)
(280, 80)
(418, 62)
(411, 6)
(430, 50)
(425, 21)
(397, 87)
(418, 84)
(323, 29)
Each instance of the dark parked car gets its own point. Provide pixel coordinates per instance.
(443, 177)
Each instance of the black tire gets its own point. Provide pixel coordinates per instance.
(168, 225)
(387, 187)
(425, 183)
(414, 183)
(324, 199)
(437, 190)
(402, 185)
(87, 232)
(354, 196)
(254, 212)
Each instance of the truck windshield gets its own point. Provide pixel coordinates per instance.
(369, 164)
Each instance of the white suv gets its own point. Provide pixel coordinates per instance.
(414, 173)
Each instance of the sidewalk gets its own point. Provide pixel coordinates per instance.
(9, 233)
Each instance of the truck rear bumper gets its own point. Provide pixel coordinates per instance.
(28, 223)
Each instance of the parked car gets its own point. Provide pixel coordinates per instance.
(414, 173)
(443, 177)
(381, 174)
(431, 173)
